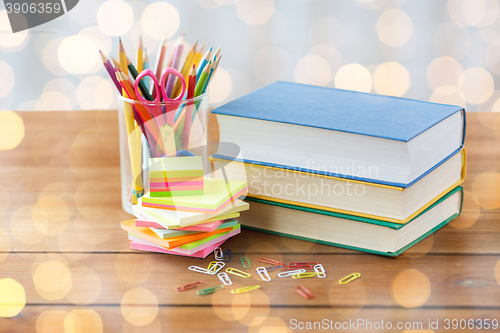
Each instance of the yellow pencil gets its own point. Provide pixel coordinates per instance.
(122, 57)
(140, 61)
(115, 62)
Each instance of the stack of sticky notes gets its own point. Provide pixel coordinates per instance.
(179, 176)
(187, 224)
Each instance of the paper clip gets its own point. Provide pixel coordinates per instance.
(349, 278)
(218, 253)
(188, 286)
(215, 268)
(225, 279)
(271, 261)
(228, 252)
(297, 265)
(211, 264)
(209, 290)
(270, 268)
(237, 272)
(320, 270)
(264, 275)
(304, 292)
(200, 270)
(290, 273)
(304, 275)
(245, 262)
(244, 289)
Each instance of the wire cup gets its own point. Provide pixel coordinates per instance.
(149, 129)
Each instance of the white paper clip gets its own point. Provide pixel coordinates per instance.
(218, 254)
(200, 270)
(290, 273)
(264, 275)
(216, 267)
(320, 270)
(225, 279)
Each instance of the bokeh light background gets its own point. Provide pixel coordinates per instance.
(441, 51)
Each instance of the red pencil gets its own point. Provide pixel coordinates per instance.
(189, 108)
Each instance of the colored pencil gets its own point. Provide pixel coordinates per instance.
(161, 56)
(140, 59)
(122, 57)
(176, 56)
(146, 117)
(201, 82)
(203, 63)
(177, 42)
(189, 108)
(141, 84)
(110, 70)
(188, 63)
(146, 66)
(212, 68)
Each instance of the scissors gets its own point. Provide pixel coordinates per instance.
(164, 123)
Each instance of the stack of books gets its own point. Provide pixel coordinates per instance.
(356, 170)
(187, 224)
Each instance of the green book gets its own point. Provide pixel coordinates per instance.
(348, 231)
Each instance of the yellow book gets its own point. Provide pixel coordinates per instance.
(357, 198)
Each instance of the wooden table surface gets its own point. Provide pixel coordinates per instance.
(60, 238)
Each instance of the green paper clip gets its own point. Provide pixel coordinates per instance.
(245, 262)
(209, 290)
(237, 272)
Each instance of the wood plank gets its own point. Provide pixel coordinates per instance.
(80, 150)
(104, 278)
(235, 319)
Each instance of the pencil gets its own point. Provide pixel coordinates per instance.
(189, 108)
(200, 85)
(188, 63)
(198, 55)
(177, 42)
(140, 61)
(122, 57)
(202, 48)
(116, 64)
(134, 144)
(215, 69)
(204, 62)
(146, 117)
(146, 66)
(110, 70)
(161, 56)
(212, 69)
(141, 84)
(177, 55)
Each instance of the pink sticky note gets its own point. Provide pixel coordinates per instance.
(200, 254)
(207, 227)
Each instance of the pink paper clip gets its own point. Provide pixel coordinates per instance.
(304, 292)
(188, 286)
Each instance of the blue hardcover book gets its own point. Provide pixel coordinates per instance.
(339, 133)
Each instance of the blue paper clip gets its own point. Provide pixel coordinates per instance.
(224, 255)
